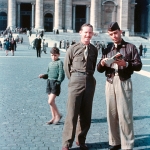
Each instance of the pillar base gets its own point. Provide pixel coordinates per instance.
(70, 31)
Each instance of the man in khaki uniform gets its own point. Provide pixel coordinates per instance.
(79, 66)
(118, 71)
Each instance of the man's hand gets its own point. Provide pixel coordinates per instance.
(103, 61)
(120, 62)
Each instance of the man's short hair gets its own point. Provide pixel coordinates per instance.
(113, 26)
(54, 50)
(86, 25)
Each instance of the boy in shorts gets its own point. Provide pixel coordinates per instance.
(55, 75)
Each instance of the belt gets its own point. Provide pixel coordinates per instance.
(82, 73)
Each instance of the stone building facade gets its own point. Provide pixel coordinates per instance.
(68, 15)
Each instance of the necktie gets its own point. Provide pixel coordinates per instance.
(86, 52)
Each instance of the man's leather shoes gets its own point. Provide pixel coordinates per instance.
(116, 147)
(82, 146)
(65, 148)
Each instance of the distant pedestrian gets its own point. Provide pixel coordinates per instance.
(36, 33)
(63, 44)
(57, 31)
(21, 39)
(42, 34)
(145, 50)
(67, 45)
(7, 46)
(28, 33)
(38, 45)
(13, 46)
(141, 49)
(103, 46)
(98, 46)
(0, 45)
(44, 46)
(55, 75)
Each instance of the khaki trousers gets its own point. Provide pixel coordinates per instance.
(79, 108)
(120, 113)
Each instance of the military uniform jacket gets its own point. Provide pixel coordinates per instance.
(130, 55)
(75, 61)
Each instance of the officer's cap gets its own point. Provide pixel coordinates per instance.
(113, 26)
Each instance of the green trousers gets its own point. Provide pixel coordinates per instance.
(79, 108)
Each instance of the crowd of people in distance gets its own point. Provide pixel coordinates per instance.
(9, 42)
(142, 50)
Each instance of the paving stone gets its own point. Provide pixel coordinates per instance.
(24, 110)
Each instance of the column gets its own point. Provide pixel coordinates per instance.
(87, 14)
(74, 16)
(124, 10)
(11, 14)
(132, 18)
(93, 17)
(33, 15)
(18, 19)
(149, 21)
(39, 15)
(58, 15)
(68, 16)
(114, 14)
(100, 12)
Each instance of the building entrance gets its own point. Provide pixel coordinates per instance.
(48, 22)
(80, 17)
(25, 18)
(141, 16)
(3, 20)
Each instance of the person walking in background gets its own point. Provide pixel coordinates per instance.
(103, 46)
(79, 66)
(141, 49)
(144, 50)
(7, 46)
(67, 45)
(0, 45)
(98, 46)
(118, 88)
(44, 46)
(55, 75)
(13, 46)
(38, 45)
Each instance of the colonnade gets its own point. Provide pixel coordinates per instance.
(94, 15)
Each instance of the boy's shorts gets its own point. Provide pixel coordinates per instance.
(53, 87)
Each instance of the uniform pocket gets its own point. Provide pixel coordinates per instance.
(78, 62)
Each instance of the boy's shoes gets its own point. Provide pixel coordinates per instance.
(57, 119)
(50, 122)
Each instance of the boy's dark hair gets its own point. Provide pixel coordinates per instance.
(54, 50)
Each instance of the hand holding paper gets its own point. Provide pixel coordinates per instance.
(111, 60)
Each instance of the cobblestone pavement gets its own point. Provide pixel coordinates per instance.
(24, 109)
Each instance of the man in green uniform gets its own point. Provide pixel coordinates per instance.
(79, 66)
